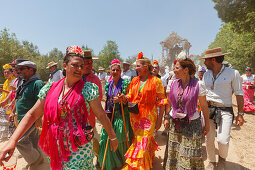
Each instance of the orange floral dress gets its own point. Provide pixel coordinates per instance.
(141, 153)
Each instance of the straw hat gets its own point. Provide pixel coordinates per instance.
(215, 52)
(50, 64)
(100, 69)
(126, 62)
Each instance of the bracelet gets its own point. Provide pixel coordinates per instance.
(167, 116)
(113, 139)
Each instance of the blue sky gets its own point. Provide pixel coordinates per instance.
(135, 25)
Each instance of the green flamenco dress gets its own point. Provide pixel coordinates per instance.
(116, 159)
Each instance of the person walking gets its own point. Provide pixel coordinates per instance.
(248, 84)
(4, 113)
(126, 72)
(155, 70)
(147, 92)
(55, 74)
(114, 87)
(221, 82)
(65, 136)
(90, 77)
(26, 97)
(184, 149)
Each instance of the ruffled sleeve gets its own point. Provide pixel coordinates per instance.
(106, 88)
(125, 86)
(161, 98)
(90, 91)
(44, 90)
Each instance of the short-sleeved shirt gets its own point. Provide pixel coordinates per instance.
(128, 75)
(57, 76)
(228, 81)
(164, 79)
(202, 92)
(89, 91)
(102, 76)
(28, 98)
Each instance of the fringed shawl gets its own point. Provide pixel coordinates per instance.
(147, 98)
(189, 99)
(112, 93)
(55, 129)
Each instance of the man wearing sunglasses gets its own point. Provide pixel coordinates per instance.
(26, 97)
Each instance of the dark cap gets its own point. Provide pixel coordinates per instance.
(28, 64)
(17, 61)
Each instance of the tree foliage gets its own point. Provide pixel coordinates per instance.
(241, 13)
(107, 54)
(11, 48)
(241, 46)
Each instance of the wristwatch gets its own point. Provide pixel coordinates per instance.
(240, 113)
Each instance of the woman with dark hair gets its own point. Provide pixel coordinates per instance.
(112, 88)
(248, 85)
(185, 130)
(66, 134)
(147, 92)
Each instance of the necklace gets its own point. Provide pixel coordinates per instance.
(65, 107)
(180, 96)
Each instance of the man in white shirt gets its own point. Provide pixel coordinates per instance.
(221, 82)
(55, 74)
(127, 73)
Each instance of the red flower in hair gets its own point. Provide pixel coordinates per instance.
(140, 56)
(155, 62)
(74, 50)
(175, 62)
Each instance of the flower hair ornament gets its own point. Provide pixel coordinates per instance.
(74, 50)
(155, 62)
(140, 56)
(115, 61)
(181, 56)
(7, 66)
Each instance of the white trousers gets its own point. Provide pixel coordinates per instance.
(223, 137)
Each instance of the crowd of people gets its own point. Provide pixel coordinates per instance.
(190, 102)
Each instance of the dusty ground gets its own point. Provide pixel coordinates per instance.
(241, 151)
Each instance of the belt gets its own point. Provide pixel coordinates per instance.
(219, 104)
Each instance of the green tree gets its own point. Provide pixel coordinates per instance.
(107, 54)
(241, 46)
(241, 13)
